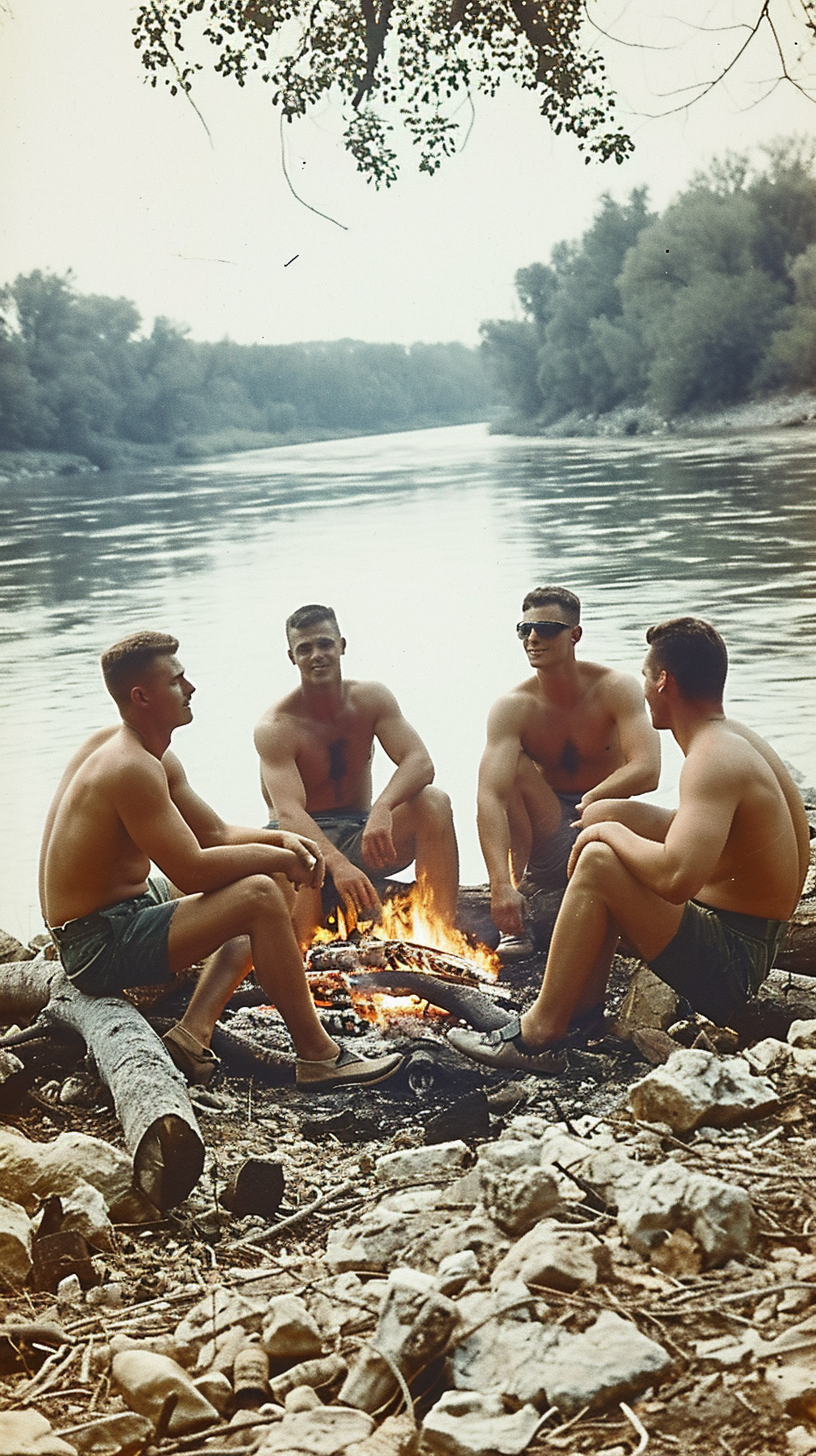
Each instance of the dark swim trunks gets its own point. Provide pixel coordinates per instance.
(121, 945)
(718, 959)
(547, 866)
(344, 828)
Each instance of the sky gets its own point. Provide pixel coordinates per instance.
(103, 175)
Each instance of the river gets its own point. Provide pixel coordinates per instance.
(424, 543)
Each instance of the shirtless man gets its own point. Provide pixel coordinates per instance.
(573, 733)
(316, 747)
(123, 801)
(702, 892)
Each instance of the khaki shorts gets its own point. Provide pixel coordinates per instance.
(718, 959)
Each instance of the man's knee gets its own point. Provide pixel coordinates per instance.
(598, 866)
(260, 896)
(433, 806)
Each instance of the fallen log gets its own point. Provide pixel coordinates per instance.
(149, 1093)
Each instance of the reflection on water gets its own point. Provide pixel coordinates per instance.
(425, 544)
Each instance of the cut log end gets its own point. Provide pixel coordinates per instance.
(168, 1161)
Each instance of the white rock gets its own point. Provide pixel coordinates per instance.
(69, 1291)
(504, 1354)
(117, 1435)
(376, 1239)
(439, 1162)
(769, 1055)
(15, 1242)
(288, 1331)
(517, 1199)
(32, 1170)
(695, 1087)
(802, 1033)
(302, 1398)
(801, 1441)
(718, 1216)
(216, 1388)
(794, 1386)
(610, 1361)
(27, 1433)
(509, 1153)
(217, 1312)
(414, 1324)
(320, 1432)
(145, 1380)
(555, 1256)
(804, 1062)
(465, 1423)
(85, 1212)
(455, 1271)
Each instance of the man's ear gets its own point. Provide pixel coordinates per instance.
(342, 645)
(138, 695)
(663, 680)
(290, 654)
(577, 632)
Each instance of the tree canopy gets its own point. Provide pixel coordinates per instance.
(415, 63)
(709, 304)
(76, 374)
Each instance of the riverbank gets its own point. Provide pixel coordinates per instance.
(783, 411)
(125, 456)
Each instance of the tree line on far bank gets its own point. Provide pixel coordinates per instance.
(77, 376)
(709, 304)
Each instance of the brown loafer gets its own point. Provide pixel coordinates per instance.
(196, 1061)
(345, 1070)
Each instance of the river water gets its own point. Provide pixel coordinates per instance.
(425, 544)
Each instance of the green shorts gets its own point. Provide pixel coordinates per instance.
(124, 944)
(718, 959)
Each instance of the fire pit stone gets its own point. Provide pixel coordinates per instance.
(439, 1162)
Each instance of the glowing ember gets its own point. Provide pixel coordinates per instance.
(408, 936)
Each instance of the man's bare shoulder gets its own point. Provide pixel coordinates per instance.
(364, 696)
(514, 708)
(282, 722)
(621, 691)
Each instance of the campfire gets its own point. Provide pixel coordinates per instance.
(407, 964)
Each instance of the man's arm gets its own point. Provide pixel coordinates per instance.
(414, 771)
(639, 743)
(677, 868)
(497, 772)
(284, 786)
(211, 830)
(139, 792)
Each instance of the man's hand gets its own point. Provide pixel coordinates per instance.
(308, 854)
(356, 891)
(377, 841)
(507, 910)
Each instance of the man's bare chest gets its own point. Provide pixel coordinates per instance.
(334, 754)
(568, 739)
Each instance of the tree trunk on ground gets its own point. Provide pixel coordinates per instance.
(150, 1096)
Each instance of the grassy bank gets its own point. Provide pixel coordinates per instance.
(123, 456)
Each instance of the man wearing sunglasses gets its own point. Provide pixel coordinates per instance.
(316, 747)
(701, 892)
(572, 733)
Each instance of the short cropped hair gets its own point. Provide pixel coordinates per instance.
(695, 655)
(554, 596)
(307, 616)
(124, 662)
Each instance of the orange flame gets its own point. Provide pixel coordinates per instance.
(409, 917)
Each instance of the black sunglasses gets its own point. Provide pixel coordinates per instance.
(542, 629)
